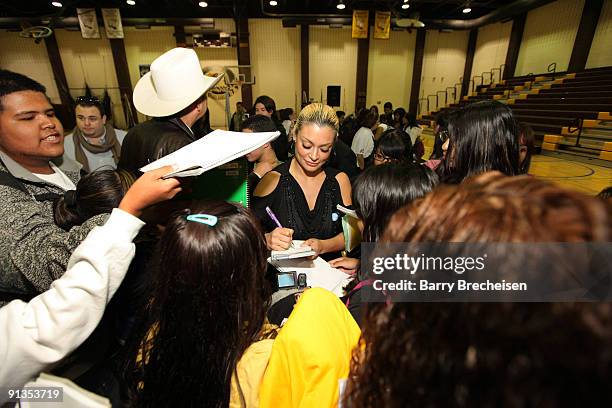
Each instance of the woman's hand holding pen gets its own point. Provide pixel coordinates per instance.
(279, 239)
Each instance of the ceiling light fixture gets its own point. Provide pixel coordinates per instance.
(467, 8)
(203, 4)
(56, 4)
(405, 6)
(273, 3)
(340, 5)
(130, 2)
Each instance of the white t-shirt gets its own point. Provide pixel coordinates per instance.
(57, 178)
(363, 142)
(287, 125)
(95, 160)
(414, 132)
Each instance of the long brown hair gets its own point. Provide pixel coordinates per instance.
(489, 354)
(208, 305)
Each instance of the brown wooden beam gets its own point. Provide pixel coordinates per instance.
(244, 56)
(419, 53)
(304, 57)
(584, 37)
(179, 35)
(514, 46)
(469, 61)
(67, 110)
(123, 73)
(361, 86)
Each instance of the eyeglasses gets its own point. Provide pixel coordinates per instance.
(87, 99)
(381, 157)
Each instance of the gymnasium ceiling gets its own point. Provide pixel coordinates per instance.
(435, 12)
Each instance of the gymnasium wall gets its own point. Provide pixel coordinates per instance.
(333, 61)
(212, 60)
(491, 48)
(275, 56)
(90, 62)
(601, 49)
(549, 36)
(143, 46)
(443, 63)
(22, 55)
(390, 64)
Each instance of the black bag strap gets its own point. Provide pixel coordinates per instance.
(7, 179)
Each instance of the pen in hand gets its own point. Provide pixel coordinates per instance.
(276, 221)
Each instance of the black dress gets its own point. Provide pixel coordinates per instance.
(289, 204)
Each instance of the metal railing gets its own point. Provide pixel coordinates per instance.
(578, 127)
(474, 81)
(438, 98)
(490, 77)
(454, 94)
(420, 106)
(477, 80)
(429, 96)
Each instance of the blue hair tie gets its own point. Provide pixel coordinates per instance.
(207, 219)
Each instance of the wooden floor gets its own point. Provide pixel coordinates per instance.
(587, 178)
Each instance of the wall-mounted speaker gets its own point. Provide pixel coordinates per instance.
(333, 95)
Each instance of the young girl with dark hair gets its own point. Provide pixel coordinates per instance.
(264, 105)
(96, 193)
(392, 147)
(363, 141)
(470, 354)
(207, 308)
(440, 134)
(377, 194)
(398, 118)
(483, 136)
(203, 339)
(526, 147)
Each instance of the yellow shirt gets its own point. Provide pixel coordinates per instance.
(310, 354)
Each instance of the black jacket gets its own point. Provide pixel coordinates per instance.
(344, 159)
(151, 140)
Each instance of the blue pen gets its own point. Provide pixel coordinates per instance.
(276, 221)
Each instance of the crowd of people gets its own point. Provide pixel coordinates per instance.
(119, 281)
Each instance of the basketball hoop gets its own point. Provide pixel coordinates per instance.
(36, 32)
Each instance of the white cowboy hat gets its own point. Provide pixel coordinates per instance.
(174, 82)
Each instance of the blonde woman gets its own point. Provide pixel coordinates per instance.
(303, 193)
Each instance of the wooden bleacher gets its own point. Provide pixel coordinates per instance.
(570, 113)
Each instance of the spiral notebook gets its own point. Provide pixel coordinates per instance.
(297, 251)
(213, 150)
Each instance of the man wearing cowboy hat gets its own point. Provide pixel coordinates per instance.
(174, 94)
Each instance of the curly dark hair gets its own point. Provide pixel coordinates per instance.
(208, 305)
(489, 354)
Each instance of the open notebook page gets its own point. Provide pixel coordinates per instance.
(213, 150)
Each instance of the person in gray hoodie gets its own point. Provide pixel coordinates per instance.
(33, 250)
